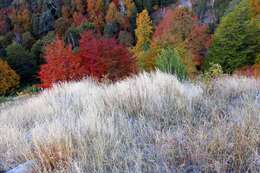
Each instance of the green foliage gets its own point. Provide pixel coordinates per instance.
(72, 36)
(144, 4)
(125, 38)
(37, 49)
(213, 72)
(27, 40)
(234, 44)
(21, 61)
(169, 61)
(6, 39)
(28, 90)
(110, 30)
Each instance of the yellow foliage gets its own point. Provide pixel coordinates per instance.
(8, 78)
(113, 14)
(95, 9)
(255, 12)
(186, 59)
(143, 31)
(143, 34)
(130, 6)
(147, 59)
(255, 7)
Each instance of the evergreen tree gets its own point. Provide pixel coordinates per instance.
(144, 4)
(234, 43)
(22, 62)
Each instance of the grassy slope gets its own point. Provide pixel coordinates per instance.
(149, 123)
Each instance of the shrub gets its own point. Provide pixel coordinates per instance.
(8, 78)
(169, 61)
(214, 71)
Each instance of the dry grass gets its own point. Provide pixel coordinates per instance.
(149, 123)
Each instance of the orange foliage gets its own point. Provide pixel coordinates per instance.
(175, 26)
(95, 9)
(181, 29)
(255, 6)
(257, 70)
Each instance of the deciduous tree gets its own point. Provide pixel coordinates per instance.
(8, 78)
(143, 34)
(98, 58)
(61, 64)
(106, 58)
(113, 14)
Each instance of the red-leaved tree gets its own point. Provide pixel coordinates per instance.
(106, 58)
(198, 41)
(61, 64)
(98, 58)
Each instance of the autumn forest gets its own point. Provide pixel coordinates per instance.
(43, 42)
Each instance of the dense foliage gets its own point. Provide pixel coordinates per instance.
(8, 78)
(21, 61)
(96, 57)
(235, 42)
(182, 30)
(169, 61)
(143, 27)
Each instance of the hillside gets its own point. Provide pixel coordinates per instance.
(42, 38)
(148, 123)
(129, 86)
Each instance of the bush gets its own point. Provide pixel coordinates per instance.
(169, 61)
(214, 71)
(8, 78)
